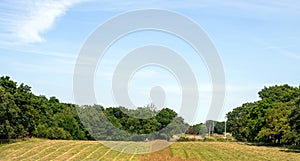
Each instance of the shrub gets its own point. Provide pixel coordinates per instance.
(58, 133)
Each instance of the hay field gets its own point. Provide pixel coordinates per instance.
(41, 149)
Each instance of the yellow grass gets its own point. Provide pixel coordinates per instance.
(41, 149)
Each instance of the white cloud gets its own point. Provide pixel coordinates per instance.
(40, 53)
(280, 49)
(25, 21)
(254, 6)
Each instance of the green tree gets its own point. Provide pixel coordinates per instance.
(273, 119)
(9, 115)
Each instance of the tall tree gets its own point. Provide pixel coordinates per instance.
(273, 119)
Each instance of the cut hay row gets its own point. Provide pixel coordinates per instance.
(35, 149)
(16, 149)
(44, 157)
(81, 151)
(96, 150)
(39, 149)
(65, 155)
(107, 152)
(120, 154)
(131, 158)
(36, 155)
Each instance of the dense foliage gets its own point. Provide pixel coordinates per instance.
(23, 114)
(210, 127)
(274, 119)
(119, 123)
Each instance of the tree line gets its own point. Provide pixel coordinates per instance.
(207, 128)
(24, 114)
(274, 119)
(120, 123)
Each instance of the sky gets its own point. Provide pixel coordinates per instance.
(257, 41)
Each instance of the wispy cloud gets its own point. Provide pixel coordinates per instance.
(263, 6)
(291, 54)
(25, 21)
(252, 6)
(40, 53)
(281, 49)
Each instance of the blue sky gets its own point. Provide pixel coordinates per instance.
(258, 42)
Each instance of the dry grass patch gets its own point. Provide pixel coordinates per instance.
(40, 149)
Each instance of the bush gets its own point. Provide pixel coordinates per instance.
(183, 139)
(209, 139)
(58, 133)
(221, 139)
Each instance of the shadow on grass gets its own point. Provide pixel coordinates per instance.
(285, 148)
(264, 144)
(291, 150)
(10, 141)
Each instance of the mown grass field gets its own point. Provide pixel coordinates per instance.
(39, 149)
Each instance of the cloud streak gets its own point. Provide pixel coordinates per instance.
(25, 21)
(253, 6)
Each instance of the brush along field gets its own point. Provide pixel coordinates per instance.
(40, 149)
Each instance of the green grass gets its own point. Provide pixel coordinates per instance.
(41, 149)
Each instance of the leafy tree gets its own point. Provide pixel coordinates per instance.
(283, 93)
(293, 136)
(203, 130)
(23, 114)
(219, 127)
(9, 115)
(273, 119)
(237, 121)
(276, 123)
